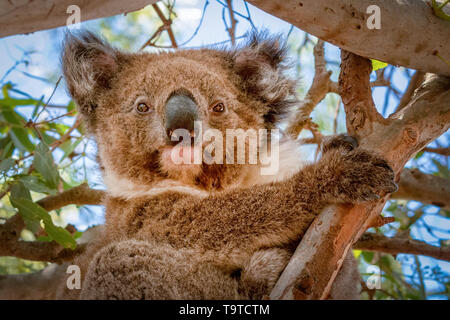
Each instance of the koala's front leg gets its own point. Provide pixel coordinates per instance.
(279, 213)
(355, 175)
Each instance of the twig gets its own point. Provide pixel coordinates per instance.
(441, 151)
(321, 85)
(198, 26)
(414, 83)
(380, 243)
(336, 115)
(167, 23)
(232, 29)
(80, 195)
(51, 96)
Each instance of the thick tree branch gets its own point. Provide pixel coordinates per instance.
(320, 86)
(396, 245)
(38, 251)
(344, 24)
(40, 285)
(317, 260)
(356, 94)
(425, 188)
(28, 16)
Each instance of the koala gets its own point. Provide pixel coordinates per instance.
(202, 230)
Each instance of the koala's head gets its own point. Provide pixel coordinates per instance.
(133, 102)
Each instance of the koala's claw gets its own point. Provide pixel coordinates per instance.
(365, 177)
(340, 141)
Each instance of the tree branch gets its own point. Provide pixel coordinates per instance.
(320, 86)
(39, 251)
(79, 195)
(167, 23)
(380, 243)
(28, 16)
(318, 258)
(232, 29)
(441, 151)
(414, 83)
(425, 188)
(40, 285)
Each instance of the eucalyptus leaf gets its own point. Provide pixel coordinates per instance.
(33, 211)
(21, 140)
(43, 162)
(376, 64)
(35, 184)
(6, 164)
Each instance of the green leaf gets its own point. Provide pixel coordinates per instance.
(69, 147)
(9, 115)
(20, 139)
(71, 106)
(77, 235)
(47, 139)
(6, 164)
(36, 107)
(368, 256)
(418, 155)
(438, 9)
(444, 213)
(376, 64)
(357, 253)
(60, 235)
(35, 184)
(33, 211)
(443, 171)
(5, 89)
(43, 162)
(6, 152)
(59, 127)
(44, 239)
(11, 102)
(19, 190)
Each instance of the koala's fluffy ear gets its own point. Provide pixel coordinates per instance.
(261, 64)
(89, 64)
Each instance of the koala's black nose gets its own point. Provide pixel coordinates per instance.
(181, 112)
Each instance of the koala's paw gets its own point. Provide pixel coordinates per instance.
(364, 176)
(343, 141)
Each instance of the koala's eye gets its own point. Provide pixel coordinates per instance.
(218, 107)
(142, 107)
